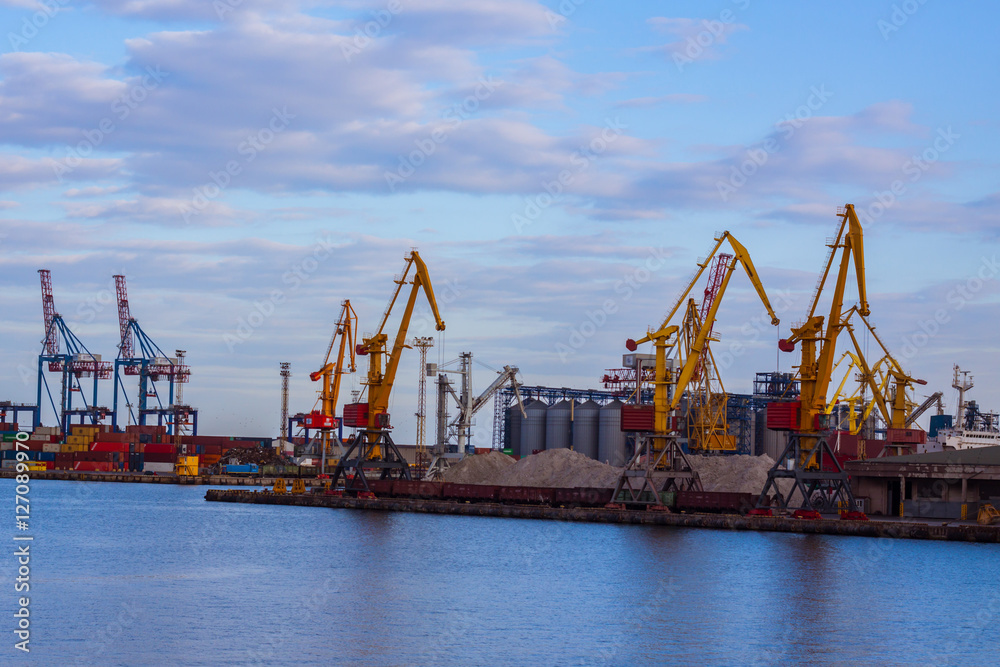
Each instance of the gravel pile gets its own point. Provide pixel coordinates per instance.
(565, 468)
(735, 474)
(478, 469)
(562, 468)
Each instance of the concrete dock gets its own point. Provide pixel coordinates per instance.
(140, 478)
(902, 529)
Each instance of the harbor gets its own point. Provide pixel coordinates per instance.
(964, 532)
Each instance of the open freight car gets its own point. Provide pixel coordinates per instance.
(719, 502)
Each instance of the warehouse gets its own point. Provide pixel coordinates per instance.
(942, 485)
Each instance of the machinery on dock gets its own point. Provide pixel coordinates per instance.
(325, 419)
(468, 405)
(819, 481)
(139, 356)
(372, 450)
(75, 363)
(659, 465)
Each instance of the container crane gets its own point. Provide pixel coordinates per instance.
(76, 363)
(151, 364)
(325, 420)
(372, 446)
(819, 481)
(659, 464)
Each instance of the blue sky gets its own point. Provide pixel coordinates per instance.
(445, 128)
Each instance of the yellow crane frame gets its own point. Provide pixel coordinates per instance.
(332, 372)
(666, 336)
(816, 366)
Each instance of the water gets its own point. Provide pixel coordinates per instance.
(153, 575)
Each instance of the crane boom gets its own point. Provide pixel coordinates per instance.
(49, 314)
(816, 368)
(662, 337)
(127, 343)
(331, 373)
(379, 383)
(923, 407)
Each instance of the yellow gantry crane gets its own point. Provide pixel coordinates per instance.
(372, 447)
(659, 464)
(331, 373)
(820, 482)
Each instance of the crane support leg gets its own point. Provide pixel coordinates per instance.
(823, 488)
(362, 463)
(658, 466)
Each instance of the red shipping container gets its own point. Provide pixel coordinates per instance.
(109, 447)
(92, 466)
(159, 458)
(155, 448)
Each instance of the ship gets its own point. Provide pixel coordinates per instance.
(970, 428)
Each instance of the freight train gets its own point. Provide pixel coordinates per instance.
(683, 501)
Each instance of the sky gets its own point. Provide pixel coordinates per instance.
(561, 167)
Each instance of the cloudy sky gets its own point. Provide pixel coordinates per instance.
(561, 166)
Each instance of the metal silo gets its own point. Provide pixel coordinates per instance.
(512, 429)
(586, 422)
(533, 427)
(611, 445)
(558, 434)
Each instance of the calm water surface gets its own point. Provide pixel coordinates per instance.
(154, 575)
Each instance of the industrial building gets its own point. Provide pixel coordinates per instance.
(945, 485)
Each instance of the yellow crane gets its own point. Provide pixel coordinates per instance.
(895, 406)
(659, 464)
(331, 373)
(819, 481)
(372, 447)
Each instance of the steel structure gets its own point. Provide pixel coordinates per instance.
(372, 448)
(16, 409)
(819, 481)
(422, 343)
(659, 464)
(331, 372)
(74, 364)
(285, 371)
(468, 406)
(151, 365)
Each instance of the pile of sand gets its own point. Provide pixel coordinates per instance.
(478, 469)
(735, 474)
(559, 468)
(565, 468)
